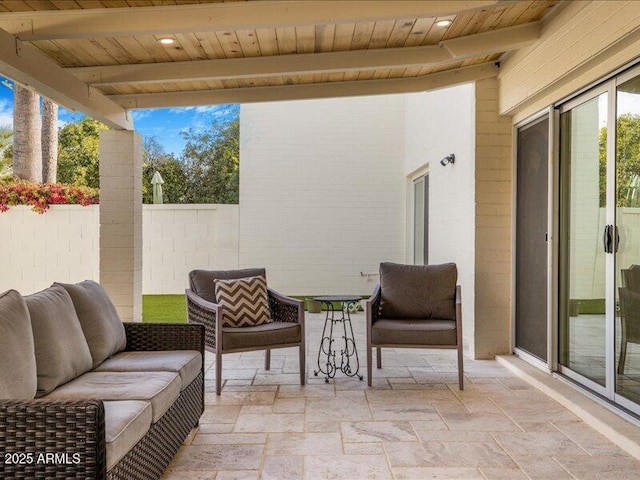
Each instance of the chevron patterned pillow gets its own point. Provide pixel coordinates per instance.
(244, 300)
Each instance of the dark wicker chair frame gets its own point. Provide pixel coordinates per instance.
(373, 315)
(74, 431)
(283, 309)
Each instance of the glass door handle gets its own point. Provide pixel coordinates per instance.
(607, 239)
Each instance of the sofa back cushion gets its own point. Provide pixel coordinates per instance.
(18, 377)
(418, 291)
(99, 319)
(62, 353)
(202, 282)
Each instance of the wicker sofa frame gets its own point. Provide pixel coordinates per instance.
(66, 428)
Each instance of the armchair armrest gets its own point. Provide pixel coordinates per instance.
(209, 314)
(164, 336)
(72, 431)
(373, 305)
(459, 314)
(285, 309)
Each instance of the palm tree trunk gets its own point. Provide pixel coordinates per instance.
(27, 149)
(49, 141)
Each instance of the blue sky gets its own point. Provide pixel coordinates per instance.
(165, 124)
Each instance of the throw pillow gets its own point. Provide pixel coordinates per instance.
(244, 300)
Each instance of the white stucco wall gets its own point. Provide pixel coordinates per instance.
(439, 123)
(322, 191)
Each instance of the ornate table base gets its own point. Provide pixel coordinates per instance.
(328, 349)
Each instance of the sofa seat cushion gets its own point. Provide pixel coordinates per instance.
(18, 375)
(418, 291)
(273, 333)
(186, 363)
(126, 423)
(158, 388)
(414, 332)
(99, 319)
(62, 353)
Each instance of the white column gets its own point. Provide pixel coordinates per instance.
(121, 220)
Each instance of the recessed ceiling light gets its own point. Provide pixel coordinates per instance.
(167, 41)
(444, 23)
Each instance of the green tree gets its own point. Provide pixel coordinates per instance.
(78, 153)
(627, 157)
(213, 161)
(173, 173)
(6, 151)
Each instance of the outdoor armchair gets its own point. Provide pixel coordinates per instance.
(415, 306)
(285, 328)
(629, 294)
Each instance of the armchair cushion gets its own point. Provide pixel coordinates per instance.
(202, 282)
(244, 300)
(418, 291)
(99, 319)
(62, 353)
(273, 333)
(18, 377)
(430, 332)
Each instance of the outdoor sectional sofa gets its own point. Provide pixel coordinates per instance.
(83, 395)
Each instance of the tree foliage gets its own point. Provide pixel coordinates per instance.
(78, 153)
(627, 158)
(212, 161)
(171, 169)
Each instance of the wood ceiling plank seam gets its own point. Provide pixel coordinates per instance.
(434, 35)
(366, 74)
(286, 37)
(400, 32)
(510, 17)
(494, 16)
(191, 46)
(536, 11)
(411, 72)
(335, 77)
(381, 74)
(176, 52)
(97, 55)
(248, 43)
(325, 35)
(65, 4)
(19, 7)
(419, 31)
(117, 51)
(267, 41)
(37, 5)
(397, 72)
(133, 48)
(214, 84)
(476, 24)
(361, 35)
(305, 39)
(59, 55)
(457, 27)
(343, 36)
(381, 33)
(211, 45)
(229, 43)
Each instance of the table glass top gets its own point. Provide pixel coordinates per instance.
(338, 298)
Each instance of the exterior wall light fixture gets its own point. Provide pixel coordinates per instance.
(449, 159)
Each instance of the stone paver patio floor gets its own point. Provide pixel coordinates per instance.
(413, 423)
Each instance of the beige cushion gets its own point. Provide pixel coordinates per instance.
(159, 388)
(100, 322)
(267, 334)
(18, 376)
(126, 423)
(186, 363)
(418, 291)
(414, 332)
(62, 353)
(244, 300)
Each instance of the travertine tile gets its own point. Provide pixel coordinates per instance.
(446, 454)
(321, 390)
(240, 398)
(218, 457)
(326, 426)
(589, 439)
(329, 409)
(503, 473)
(363, 449)
(424, 412)
(437, 473)
(275, 422)
(483, 422)
(185, 475)
(304, 444)
(237, 475)
(282, 468)
(229, 438)
(289, 405)
(347, 467)
(366, 432)
(215, 428)
(538, 443)
(276, 379)
(541, 467)
(220, 414)
(600, 467)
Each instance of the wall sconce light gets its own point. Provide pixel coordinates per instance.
(449, 159)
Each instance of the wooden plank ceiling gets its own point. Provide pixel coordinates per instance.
(287, 49)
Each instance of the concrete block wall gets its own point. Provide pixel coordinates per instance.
(322, 191)
(181, 238)
(439, 123)
(37, 250)
(493, 207)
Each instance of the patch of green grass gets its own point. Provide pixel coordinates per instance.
(164, 308)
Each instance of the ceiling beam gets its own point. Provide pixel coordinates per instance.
(114, 22)
(502, 40)
(27, 66)
(307, 91)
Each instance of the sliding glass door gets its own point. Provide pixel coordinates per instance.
(599, 250)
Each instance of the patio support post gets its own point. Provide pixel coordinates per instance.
(121, 220)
